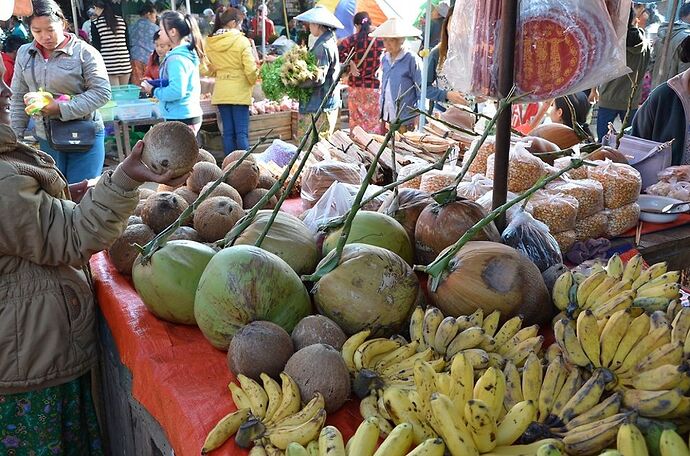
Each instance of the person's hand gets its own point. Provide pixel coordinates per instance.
(594, 95)
(354, 71)
(78, 190)
(456, 98)
(137, 170)
(269, 58)
(146, 87)
(51, 110)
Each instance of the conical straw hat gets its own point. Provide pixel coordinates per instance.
(395, 28)
(320, 15)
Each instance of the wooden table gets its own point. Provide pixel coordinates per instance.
(672, 246)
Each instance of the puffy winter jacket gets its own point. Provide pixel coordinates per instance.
(232, 64)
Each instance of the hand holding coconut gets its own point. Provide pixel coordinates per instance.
(133, 166)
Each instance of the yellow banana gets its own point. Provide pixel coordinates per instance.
(239, 397)
(587, 396)
(532, 377)
(596, 437)
(667, 277)
(520, 336)
(638, 328)
(257, 395)
(652, 403)
(305, 414)
(313, 448)
(331, 442)
(443, 381)
(303, 433)
(426, 355)
(605, 409)
(274, 393)
(686, 346)
(456, 436)
(366, 354)
(585, 289)
(549, 450)
(622, 300)
(478, 358)
(396, 356)
(291, 400)
(673, 308)
(477, 317)
(469, 338)
(644, 277)
(224, 429)
(555, 375)
(352, 344)
(364, 442)
(445, 333)
(508, 330)
(368, 408)
(611, 293)
(432, 319)
(524, 450)
(402, 410)
(671, 353)
(633, 268)
(522, 351)
(604, 286)
(295, 449)
(630, 441)
(587, 334)
(515, 423)
(671, 444)
(429, 447)
(665, 290)
(614, 267)
(381, 405)
(561, 290)
(416, 328)
(680, 325)
(682, 410)
(513, 386)
(572, 385)
(650, 305)
(612, 334)
(658, 320)
(645, 345)
(490, 388)
(462, 381)
(566, 337)
(259, 450)
(481, 424)
(398, 442)
(490, 324)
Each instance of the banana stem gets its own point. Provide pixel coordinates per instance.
(157, 242)
(440, 264)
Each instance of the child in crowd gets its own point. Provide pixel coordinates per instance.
(152, 71)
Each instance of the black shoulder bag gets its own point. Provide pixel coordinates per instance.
(70, 135)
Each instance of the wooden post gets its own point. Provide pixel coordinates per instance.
(506, 61)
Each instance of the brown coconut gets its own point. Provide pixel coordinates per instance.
(202, 174)
(145, 193)
(134, 220)
(320, 368)
(186, 233)
(266, 181)
(250, 199)
(234, 156)
(317, 329)
(165, 188)
(170, 146)
(140, 207)
(206, 156)
(269, 340)
(162, 209)
(244, 178)
(123, 252)
(215, 216)
(186, 193)
(224, 189)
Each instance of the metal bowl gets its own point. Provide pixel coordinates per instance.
(656, 203)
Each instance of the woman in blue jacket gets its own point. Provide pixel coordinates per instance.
(180, 87)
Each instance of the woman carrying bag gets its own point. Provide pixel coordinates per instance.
(60, 63)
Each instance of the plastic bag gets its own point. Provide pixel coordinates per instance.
(412, 168)
(372, 205)
(558, 211)
(561, 47)
(279, 152)
(524, 169)
(575, 173)
(475, 187)
(622, 183)
(478, 165)
(565, 240)
(436, 180)
(318, 178)
(622, 219)
(675, 174)
(592, 227)
(588, 193)
(532, 238)
(486, 201)
(335, 202)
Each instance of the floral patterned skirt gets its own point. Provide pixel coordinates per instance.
(59, 420)
(363, 105)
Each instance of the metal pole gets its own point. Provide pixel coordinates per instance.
(172, 5)
(667, 40)
(75, 17)
(506, 68)
(189, 6)
(263, 29)
(425, 64)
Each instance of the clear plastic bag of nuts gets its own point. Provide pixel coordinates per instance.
(407, 170)
(565, 239)
(524, 169)
(575, 173)
(436, 180)
(556, 210)
(622, 183)
(478, 165)
(588, 193)
(476, 187)
(622, 219)
(592, 227)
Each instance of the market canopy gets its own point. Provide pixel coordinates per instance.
(379, 11)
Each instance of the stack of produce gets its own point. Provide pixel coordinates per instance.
(591, 219)
(559, 211)
(622, 184)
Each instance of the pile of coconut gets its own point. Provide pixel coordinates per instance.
(172, 146)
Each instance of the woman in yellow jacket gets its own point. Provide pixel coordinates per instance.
(233, 64)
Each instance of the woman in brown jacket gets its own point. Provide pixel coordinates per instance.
(47, 309)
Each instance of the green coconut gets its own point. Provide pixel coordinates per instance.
(289, 238)
(374, 228)
(242, 284)
(167, 284)
(371, 288)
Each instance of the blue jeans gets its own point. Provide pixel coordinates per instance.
(77, 166)
(235, 120)
(606, 115)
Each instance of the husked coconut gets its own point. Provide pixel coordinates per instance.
(320, 368)
(186, 193)
(250, 199)
(162, 209)
(244, 178)
(186, 233)
(202, 174)
(223, 189)
(170, 146)
(140, 207)
(266, 181)
(123, 252)
(216, 216)
(260, 346)
(165, 188)
(145, 193)
(234, 156)
(318, 329)
(206, 156)
(134, 220)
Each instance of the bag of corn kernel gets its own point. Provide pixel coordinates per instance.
(524, 169)
(576, 173)
(476, 187)
(588, 193)
(557, 210)
(592, 227)
(436, 180)
(487, 149)
(622, 219)
(622, 183)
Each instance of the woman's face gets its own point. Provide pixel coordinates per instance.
(98, 10)
(555, 114)
(171, 35)
(47, 33)
(152, 17)
(393, 45)
(162, 46)
(315, 29)
(5, 95)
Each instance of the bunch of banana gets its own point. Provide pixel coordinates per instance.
(671, 444)
(592, 438)
(616, 287)
(680, 329)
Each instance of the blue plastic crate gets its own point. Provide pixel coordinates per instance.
(127, 92)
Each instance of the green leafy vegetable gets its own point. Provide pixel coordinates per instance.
(287, 73)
